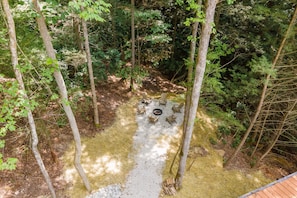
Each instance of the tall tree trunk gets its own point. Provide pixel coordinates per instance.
(18, 74)
(91, 76)
(189, 78)
(199, 74)
(63, 93)
(132, 44)
(190, 68)
(263, 91)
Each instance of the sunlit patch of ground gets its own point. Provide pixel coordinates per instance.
(107, 159)
(5, 191)
(106, 156)
(205, 176)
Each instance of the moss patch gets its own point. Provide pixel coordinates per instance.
(106, 156)
(207, 177)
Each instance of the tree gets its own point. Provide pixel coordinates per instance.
(199, 74)
(264, 95)
(132, 43)
(63, 92)
(76, 31)
(191, 62)
(18, 74)
(89, 10)
(91, 76)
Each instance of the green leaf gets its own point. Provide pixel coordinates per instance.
(54, 97)
(11, 128)
(2, 144)
(10, 164)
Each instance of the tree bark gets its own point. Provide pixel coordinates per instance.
(263, 91)
(189, 79)
(199, 74)
(132, 44)
(190, 69)
(63, 93)
(76, 31)
(113, 21)
(18, 74)
(91, 76)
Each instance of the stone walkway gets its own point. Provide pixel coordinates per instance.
(151, 143)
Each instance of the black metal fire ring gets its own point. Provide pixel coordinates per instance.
(157, 112)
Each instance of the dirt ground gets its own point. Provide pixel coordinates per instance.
(55, 136)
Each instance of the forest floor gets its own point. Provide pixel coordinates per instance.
(56, 137)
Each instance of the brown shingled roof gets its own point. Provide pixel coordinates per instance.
(285, 187)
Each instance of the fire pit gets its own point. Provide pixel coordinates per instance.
(157, 112)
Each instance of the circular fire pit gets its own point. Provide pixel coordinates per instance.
(157, 112)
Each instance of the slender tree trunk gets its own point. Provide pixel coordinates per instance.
(278, 133)
(263, 91)
(189, 80)
(199, 74)
(91, 76)
(76, 31)
(18, 74)
(139, 44)
(113, 21)
(262, 127)
(63, 93)
(132, 43)
(190, 69)
(174, 33)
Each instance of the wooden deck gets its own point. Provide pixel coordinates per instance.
(285, 187)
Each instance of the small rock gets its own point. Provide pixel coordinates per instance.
(111, 191)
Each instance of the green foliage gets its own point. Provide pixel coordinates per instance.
(73, 68)
(13, 107)
(5, 54)
(9, 164)
(137, 73)
(213, 87)
(152, 38)
(62, 121)
(92, 10)
(199, 14)
(52, 12)
(261, 65)
(245, 83)
(224, 130)
(106, 63)
(229, 125)
(38, 78)
(230, 2)
(236, 141)
(212, 141)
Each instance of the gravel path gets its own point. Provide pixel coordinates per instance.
(151, 143)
